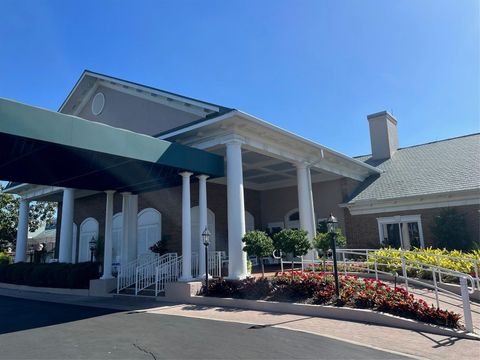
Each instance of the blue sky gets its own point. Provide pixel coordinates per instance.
(316, 68)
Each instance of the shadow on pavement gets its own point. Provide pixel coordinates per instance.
(21, 314)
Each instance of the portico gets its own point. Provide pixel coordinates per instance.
(85, 155)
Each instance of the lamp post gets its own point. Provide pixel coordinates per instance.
(93, 246)
(206, 241)
(332, 226)
(31, 252)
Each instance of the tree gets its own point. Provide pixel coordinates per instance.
(450, 231)
(259, 244)
(40, 212)
(322, 242)
(292, 241)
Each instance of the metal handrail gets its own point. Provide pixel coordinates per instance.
(407, 264)
(145, 274)
(127, 275)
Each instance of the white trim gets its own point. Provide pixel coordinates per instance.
(159, 99)
(85, 98)
(276, 224)
(34, 191)
(98, 103)
(401, 219)
(296, 138)
(463, 198)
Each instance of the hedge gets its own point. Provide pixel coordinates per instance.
(56, 275)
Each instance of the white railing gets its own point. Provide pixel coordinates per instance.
(216, 259)
(127, 274)
(366, 260)
(145, 275)
(159, 270)
(374, 263)
(168, 272)
(369, 254)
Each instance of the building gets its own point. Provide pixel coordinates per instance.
(273, 178)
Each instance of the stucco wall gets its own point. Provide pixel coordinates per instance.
(362, 230)
(136, 114)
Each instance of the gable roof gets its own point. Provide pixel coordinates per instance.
(444, 166)
(89, 81)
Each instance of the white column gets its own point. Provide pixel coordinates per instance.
(305, 209)
(186, 228)
(133, 228)
(237, 258)
(66, 229)
(107, 252)
(312, 206)
(202, 221)
(22, 232)
(125, 227)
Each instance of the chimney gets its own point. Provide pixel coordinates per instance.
(383, 135)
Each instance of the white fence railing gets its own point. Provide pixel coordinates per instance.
(216, 259)
(168, 272)
(145, 275)
(159, 270)
(127, 274)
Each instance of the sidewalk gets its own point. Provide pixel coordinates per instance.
(417, 344)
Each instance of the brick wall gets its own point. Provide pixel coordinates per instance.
(169, 203)
(362, 230)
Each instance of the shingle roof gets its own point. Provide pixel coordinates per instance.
(438, 167)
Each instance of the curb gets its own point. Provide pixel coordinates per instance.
(48, 290)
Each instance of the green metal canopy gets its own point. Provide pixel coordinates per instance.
(43, 147)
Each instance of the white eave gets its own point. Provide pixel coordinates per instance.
(216, 122)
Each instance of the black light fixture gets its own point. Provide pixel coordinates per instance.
(93, 246)
(332, 226)
(206, 241)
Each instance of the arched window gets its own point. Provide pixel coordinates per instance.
(149, 230)
(195, 228)
(88, 229)
(117, 234)
(292, 219)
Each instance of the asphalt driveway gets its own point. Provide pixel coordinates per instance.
(41, 330)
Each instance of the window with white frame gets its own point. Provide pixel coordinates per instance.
(401, 231)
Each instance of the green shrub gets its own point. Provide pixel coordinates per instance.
(450, 231)
(292, 241)
(4, 258)
(57, 275)
(322, 241)
(426, 256)
(259, 244)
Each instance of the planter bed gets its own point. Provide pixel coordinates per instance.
(330, 312)
(318, 289)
